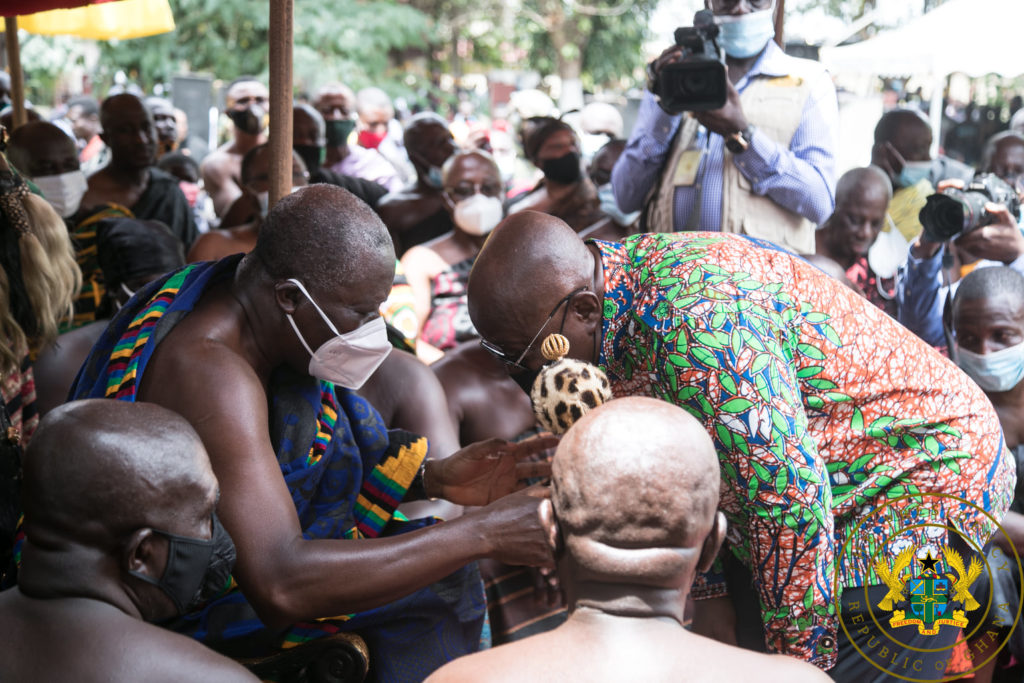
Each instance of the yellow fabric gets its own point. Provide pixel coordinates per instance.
(122, 20)
(905, 206)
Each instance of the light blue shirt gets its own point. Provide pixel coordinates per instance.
(922, 296)
(800, 177)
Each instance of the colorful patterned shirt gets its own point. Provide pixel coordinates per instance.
(821, 408)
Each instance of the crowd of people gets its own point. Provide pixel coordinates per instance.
(242, 441)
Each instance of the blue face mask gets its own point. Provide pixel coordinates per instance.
(745, 35)
(913, 172)
(993, 372)
(611, 209)
(434, 177)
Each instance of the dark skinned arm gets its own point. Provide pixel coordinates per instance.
(288, 578)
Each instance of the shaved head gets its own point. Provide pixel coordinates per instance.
(634, 474)
(323, 235)
(529, 262)
(861, 183)
(100, 468)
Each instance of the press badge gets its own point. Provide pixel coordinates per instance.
(686, 170)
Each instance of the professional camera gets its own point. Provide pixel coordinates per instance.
(952, 212)
(698, 81)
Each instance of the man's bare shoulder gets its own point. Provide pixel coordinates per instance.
(100, 643)
(221, 159)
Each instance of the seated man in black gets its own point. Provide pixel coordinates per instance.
(309, 140)
(119, 531)
(130, 179)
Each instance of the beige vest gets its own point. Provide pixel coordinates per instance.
(774, 106)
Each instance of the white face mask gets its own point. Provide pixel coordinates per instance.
(64, 191)
(997, 371)
(479, 214)
(347, 359)
(264, 199)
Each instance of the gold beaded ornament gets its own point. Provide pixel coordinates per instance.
(566, 388)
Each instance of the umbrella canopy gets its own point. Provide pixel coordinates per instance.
(13, 8)
(975, 37)
(102, 21)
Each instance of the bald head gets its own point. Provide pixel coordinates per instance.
(294, 239)
(634, 474)
(40, 149)
(100, 467)
(860, 184)
(373, 99)
(1004, 156)
(529, 262)
(116, 105)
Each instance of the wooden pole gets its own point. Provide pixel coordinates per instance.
(780, 22)
(14, 67)
(281, 31)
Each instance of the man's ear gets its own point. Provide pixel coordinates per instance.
(552, 531)
(142, 555)
(287, 296)
(587, 307)
(712, 543)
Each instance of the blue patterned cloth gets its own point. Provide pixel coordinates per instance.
(337, 459)
(801, 178)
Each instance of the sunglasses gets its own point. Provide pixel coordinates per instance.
(517, 364)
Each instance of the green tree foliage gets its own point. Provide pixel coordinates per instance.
(599, 42)
(346, 40)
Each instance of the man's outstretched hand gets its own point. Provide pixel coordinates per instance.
(487, 470)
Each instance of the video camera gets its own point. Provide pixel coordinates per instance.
(953, 211)
(698, 81)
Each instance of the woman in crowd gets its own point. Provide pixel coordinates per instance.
(438, 270)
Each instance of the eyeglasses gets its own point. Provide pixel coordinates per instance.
(517, 363)
(730, 6)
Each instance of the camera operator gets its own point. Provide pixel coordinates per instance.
(763, 164)
(922, 288)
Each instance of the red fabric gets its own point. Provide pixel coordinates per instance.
(13, 8)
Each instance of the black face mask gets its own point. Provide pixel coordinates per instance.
(338, 131)
(311, 155)
(564, 170)
(197, 570)
(248, 120)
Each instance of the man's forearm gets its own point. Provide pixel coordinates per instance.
(320, 578)
(919, 295)
(790, 181)
(637, 170)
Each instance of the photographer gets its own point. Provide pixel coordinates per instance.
(763, 164)
(921, 289)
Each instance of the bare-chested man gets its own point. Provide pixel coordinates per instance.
(247, 101)
(418, 213)
(262, 354)
(110, 490)
(632, 519)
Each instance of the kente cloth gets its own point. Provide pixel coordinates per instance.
(449, 322)
(82, 228)
(163, 201)
(399, 309)
(879, 291)
(346, 474)
(833, 424)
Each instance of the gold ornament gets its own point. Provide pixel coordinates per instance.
(554, 347)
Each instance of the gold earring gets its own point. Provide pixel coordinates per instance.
(554, 347)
